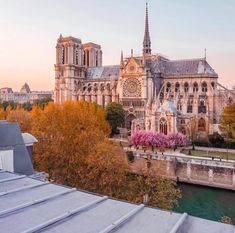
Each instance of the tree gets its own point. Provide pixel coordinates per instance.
(154, 190)
(6, 104)
(20, 116)
(27, 106)
(159, 140)
(42, 102)
(106, 170)
(114, 114)
(2, 114)
(227, 121)
(67, 134)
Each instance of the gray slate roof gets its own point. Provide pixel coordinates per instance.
(182, 67)
(103, 72)
(30, 205)
(169, 68)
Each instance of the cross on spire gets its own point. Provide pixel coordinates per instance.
(146, 42)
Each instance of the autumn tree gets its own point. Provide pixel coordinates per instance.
(107, 170)
(227, 120)
(21, 117)
(67, 134)
(148, 187)
(114, 114)
(2, 114)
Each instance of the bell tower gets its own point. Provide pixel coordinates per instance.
(69, 67)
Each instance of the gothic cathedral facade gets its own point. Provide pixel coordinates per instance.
(156, 93)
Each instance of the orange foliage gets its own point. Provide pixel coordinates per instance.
(21, 116)
(106, 170)
(2, 114)
(67, 134)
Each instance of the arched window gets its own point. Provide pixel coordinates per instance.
(66, 54)
(76, 56)
(161, 97)
(204, 87)
(62, 54)
(186, 87)
(84, 58)
(183, 130)
(195, 87)
(163, 126)
(168, 87)
(201, 125)
(87, 58)
(179, 106)
(190, 106)
(177, 87)
(213, 85)
(202, 106)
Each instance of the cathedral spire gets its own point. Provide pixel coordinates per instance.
(146, 42)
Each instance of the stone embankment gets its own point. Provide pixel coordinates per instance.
(195, 170)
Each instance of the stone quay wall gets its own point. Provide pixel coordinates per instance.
(202, 171)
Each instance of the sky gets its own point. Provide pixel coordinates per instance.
(179, 29)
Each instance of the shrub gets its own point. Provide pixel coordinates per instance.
(216, 140)
(130, 156)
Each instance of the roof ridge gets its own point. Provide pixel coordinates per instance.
(103, 66)
(187, 59)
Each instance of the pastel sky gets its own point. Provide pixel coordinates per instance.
(179, 29)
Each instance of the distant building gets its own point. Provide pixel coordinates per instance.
(157, 93)
(24, 95)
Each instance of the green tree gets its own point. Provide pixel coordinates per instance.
(114, 114)
(42, 102)
(10, 104)
(227, 121)
(27, 106)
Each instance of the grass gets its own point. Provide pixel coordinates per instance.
(210, 154)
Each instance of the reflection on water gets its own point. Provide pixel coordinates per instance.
(205, 202)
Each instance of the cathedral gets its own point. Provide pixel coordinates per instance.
(156, 93)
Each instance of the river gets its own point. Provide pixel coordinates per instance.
(206, 202)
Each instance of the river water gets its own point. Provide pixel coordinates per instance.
(206, 202)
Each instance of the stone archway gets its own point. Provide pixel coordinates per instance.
(129, 120)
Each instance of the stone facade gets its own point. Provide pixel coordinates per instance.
(156, 93)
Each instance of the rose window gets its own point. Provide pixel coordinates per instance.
(132, 88)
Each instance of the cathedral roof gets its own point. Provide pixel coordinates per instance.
(103, 72)
(183, 67)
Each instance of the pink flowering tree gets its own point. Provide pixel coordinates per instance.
(177, 139)
(158, 140)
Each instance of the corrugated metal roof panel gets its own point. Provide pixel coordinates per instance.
(45, 207)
